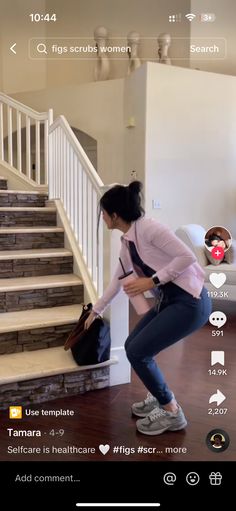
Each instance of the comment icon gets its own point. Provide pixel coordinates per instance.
(218, 319)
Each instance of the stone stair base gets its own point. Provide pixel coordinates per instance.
(41, 390)
(43, 375)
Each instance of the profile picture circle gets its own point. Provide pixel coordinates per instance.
(217, 440)
(218, 236)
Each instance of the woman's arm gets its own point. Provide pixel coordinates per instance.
(167, 241)
(115, 285)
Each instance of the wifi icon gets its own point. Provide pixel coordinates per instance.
(190, 16)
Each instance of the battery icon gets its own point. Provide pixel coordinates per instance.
(207, 17)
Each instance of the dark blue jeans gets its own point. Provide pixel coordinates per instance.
(179, 315)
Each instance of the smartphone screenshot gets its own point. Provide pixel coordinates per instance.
(117, 252)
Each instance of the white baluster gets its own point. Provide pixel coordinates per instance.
(89, 226)
(9, 129)
(68, 181)
(46, 152)
(85, 216)
(76, 163)
(19, 147)
(94, 236)
(28, 148)
(1, 133)
(80, 204)
(64, 171)
(71, 191)
(37, 152)
(53, 169)
(57, 163)
(100, 260)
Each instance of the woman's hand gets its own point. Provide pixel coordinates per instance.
(89, 320)
(139, 285)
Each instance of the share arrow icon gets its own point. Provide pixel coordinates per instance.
(217, 398)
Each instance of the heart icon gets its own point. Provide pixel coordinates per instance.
(104, 448)
(217, 279)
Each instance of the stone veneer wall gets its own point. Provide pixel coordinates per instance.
(11, 301)
(25, 241)
(35, 339)
(27, 218)
(53, 387)
(22, 200)
(13, 268)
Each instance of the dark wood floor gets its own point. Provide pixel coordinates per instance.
(103, 416)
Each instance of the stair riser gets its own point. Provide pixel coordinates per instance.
(24, 241)
(3, 184)
(42, 390)
(40, 298)
(36, 267)
(27, 218)
(35, 339)
(22, 200)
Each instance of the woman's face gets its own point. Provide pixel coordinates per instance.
(109, 221)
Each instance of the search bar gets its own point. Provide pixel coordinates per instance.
(117, 48)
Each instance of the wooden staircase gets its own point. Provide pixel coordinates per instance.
(40, 302)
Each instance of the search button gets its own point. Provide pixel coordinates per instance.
(42, 48)
(169, 478)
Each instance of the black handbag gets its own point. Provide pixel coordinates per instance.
(91, 346)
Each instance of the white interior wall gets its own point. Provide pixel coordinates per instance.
(134, 113)
(18, 72)
(190, 146)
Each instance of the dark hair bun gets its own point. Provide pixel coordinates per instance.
(135, 187)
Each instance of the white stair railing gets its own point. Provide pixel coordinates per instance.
(73, 180)
(18, 119)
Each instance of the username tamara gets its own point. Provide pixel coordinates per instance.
(24, 432)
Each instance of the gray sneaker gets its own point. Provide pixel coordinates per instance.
(159, 420)
(143, 408)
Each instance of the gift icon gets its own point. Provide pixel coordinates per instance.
(215, 478)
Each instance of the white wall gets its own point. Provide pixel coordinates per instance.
(18, 72)
(190, 146)
(96, 109)
(135, 111)
(223, 26)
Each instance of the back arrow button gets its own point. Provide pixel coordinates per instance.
(12, 48)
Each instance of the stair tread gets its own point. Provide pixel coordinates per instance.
(39, 318)
(29, 365)
(22, 230)
(26, 192)
(42, 282)
(34, 253)
(46, 209)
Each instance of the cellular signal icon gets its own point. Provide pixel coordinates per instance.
(190, 16)
(175, 18)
